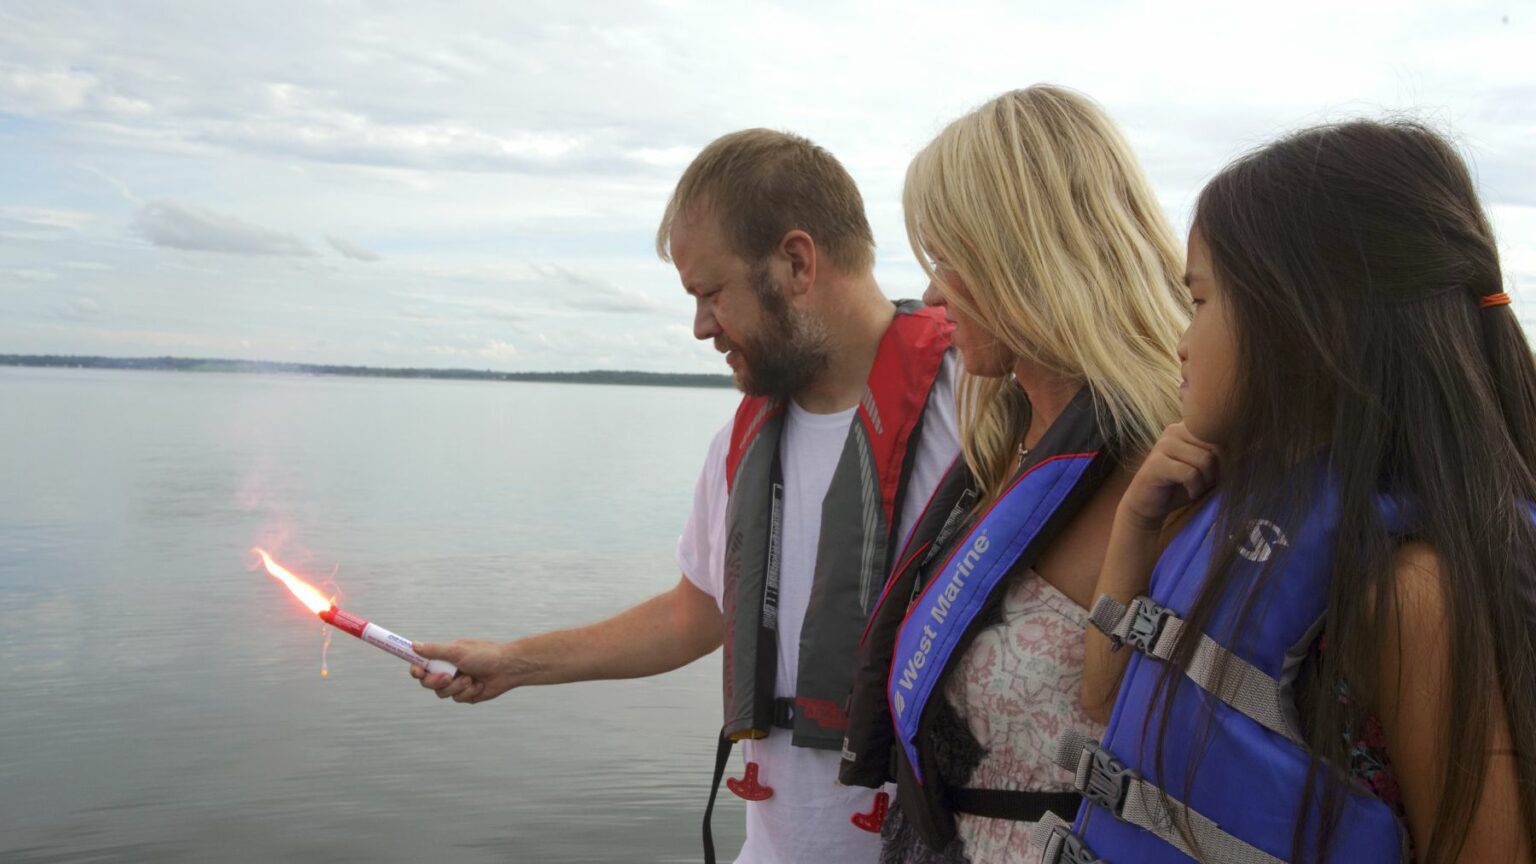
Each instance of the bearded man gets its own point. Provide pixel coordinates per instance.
(847, 425)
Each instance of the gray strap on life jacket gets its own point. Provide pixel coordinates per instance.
(1108, 783)
(1053, 837)
(1155, 630)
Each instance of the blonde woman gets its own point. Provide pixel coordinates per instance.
(1046, 247)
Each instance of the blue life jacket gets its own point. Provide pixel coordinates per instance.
(936, 623)
(1251, 775)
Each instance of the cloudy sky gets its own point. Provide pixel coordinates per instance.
(476, 184)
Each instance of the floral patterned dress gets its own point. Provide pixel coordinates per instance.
(1010, 698)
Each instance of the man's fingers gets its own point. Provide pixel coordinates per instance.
(457, 687)
(438, 650)
(462, 687)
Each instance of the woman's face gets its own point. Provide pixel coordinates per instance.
(979, 349)
(1207, 351)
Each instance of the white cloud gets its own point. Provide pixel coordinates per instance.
(179, 226)
(119, 186)
(593, 295)
(79, 309)
(46, 91)
(326, 135)
(493, 350)
(352, 250)
(30, 274)
(496, 349)
(45, 217)
(504, 164)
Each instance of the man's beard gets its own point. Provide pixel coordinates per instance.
(789, 351)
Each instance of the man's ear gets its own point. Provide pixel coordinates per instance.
(799, 250)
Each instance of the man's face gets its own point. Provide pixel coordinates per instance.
(772, 350)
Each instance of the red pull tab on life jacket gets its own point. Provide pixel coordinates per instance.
(875, 818)
(748, 787)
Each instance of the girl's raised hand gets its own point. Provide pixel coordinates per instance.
(1179, 469)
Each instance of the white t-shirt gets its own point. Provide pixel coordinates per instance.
(808, 817)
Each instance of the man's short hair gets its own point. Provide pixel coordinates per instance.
(761, 184)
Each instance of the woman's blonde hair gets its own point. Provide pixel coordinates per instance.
(1037, 203)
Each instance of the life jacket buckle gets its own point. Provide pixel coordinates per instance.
(1103, 779)
(1064, 847)
(784, 713)
(1147, 620)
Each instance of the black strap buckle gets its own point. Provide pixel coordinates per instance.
(1147, 620)
(784, 712)
(1108, 781)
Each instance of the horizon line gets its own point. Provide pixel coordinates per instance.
(167, 362)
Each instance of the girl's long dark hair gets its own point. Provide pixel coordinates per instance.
(1353, 258)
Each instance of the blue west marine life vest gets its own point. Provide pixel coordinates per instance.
(928, 617)
(1252, 772)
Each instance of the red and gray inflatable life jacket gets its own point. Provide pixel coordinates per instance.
(953, 572)
(859, 521)
(1243, 802)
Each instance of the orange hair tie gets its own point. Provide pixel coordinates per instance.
(1488, 301)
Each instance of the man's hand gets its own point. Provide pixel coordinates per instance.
(665, 632)
(486, 669)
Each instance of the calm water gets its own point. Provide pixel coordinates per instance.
(164, 702)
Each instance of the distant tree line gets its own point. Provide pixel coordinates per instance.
(194, 364)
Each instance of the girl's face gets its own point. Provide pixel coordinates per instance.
(1207, 351)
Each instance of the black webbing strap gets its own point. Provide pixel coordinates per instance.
(784, 712)
(783, 718)
(722, 755)
(1018, 805)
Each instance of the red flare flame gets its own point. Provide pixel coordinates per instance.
(308, 594)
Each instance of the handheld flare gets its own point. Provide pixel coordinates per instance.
(346, 622)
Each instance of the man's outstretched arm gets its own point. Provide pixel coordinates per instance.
(664, 633)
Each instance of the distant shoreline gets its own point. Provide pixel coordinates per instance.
(259, 367)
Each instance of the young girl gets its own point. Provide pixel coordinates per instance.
(1335, 657)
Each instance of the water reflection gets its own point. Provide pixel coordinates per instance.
(165, 702)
